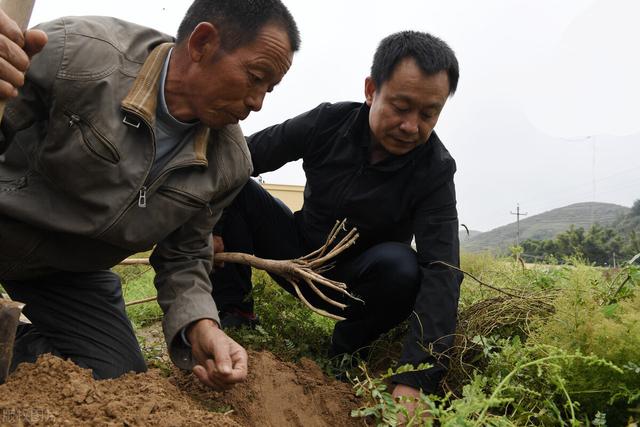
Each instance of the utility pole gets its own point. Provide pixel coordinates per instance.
(518, 215)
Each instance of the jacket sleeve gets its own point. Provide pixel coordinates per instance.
(182, 263)
(433, 321)
(280, 144)
(36, 96)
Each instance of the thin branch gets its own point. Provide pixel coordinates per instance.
(339, 225)
(476, 279)
(141, 301)
(134, 261)
(308, 304)
(323, 296)
(344, 244)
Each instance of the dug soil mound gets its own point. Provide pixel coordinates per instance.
(54, 392)
(281, 394)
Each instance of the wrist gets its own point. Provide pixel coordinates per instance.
(193, 329)
(406, 390)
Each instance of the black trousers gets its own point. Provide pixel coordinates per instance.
(386, 276)
(80, 316)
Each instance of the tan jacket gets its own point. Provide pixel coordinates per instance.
(74, 187)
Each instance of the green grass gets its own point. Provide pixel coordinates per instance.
(287, 328)
(137, 284)
(578, 364)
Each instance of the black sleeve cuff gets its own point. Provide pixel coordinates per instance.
(428, 381)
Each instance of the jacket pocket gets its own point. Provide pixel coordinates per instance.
(93, 139)
(181, 197)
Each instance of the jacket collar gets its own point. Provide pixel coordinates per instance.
(142, 98)
(358, 127)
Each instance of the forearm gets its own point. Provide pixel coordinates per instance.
(432, 325)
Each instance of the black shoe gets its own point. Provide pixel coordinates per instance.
(238, 319)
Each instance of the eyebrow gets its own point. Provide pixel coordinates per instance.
(263, 66)
(410, 100)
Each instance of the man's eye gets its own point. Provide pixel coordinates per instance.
(255, 78)
(427, 115)
(400, 109)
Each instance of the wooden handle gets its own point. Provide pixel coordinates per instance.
(9, 319)
(19, 11)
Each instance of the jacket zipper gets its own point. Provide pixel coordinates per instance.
(141, 197)
(86, 126)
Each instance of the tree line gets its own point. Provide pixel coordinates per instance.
(598, 244)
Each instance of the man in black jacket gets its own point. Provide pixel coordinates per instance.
(380, 166)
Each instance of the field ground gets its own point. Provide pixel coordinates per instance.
(534, 346)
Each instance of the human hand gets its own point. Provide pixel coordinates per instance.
(218, 247)
(409, 398)
(16, 48)
(222, 362)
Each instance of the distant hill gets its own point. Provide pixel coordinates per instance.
(463, 235)
(544, 226)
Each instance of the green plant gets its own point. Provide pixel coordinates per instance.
(287, 328)
(137, 284)
(380, 405)
(572, 359)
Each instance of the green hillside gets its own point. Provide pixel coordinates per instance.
(545, 226)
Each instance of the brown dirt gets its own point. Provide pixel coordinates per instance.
(54, 392)
(278, 394)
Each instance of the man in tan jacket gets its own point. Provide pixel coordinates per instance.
(120, 138)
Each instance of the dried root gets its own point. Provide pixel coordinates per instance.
(306, 270)
(298, 272)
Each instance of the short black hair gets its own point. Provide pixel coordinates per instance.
(239, 21)
(430, 53)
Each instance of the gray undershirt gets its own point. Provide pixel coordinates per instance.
(171, 133)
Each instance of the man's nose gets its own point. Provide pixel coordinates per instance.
(410, 124)
(254, 101)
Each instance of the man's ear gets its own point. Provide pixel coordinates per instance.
(204, 42)
(369, 90)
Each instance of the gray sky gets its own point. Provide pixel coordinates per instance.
(547, 109)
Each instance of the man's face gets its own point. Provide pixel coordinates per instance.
(227, 87)
(405, 109)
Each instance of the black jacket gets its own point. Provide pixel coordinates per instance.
(393, 200)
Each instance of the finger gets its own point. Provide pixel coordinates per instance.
(203, 376)
(222, 357)
(13, 54)
(10, 29)
(220, 380)
(218, 243)
(200, 372)
(7, 90)
(10, 74)
(35, 40)
(240, 363)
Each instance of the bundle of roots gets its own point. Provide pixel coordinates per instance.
(502, 316)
